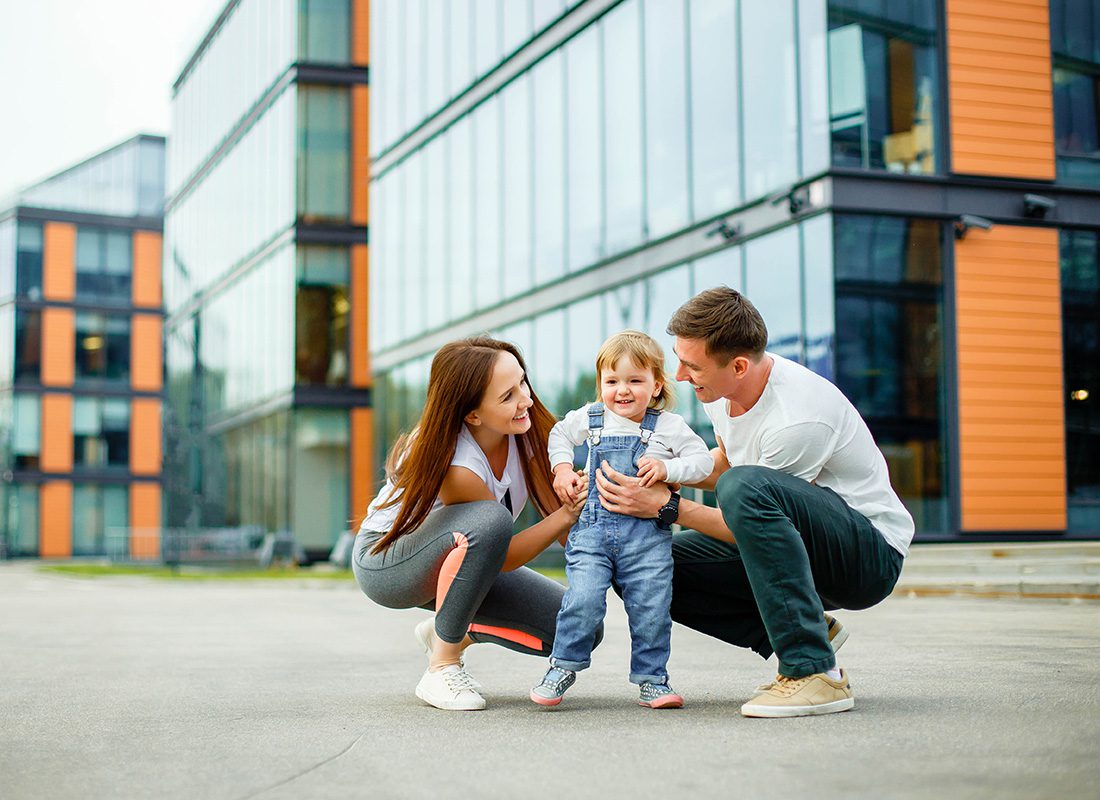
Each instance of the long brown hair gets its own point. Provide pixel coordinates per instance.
(419, 460)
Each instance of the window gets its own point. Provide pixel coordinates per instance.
(103, 265)
(323, 161)
(622, 92)
(323, 27)
(28, 345)
(102, 346)
(26, 438)
(28, 261)
(1080, 257)
(21, 512)
(549, 169)
(890, 350)
(100, 517)
(584, 220)
(516, 105)
(1075, 51)
(884, 85)
(101, 432)
(321, 316)
(666, 122)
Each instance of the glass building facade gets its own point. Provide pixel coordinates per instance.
(80, 356)
(265, 249)
(553, 172)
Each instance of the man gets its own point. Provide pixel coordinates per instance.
(806, 518)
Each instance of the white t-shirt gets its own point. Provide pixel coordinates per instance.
(468, 454)
(803, 425)
(684, 453)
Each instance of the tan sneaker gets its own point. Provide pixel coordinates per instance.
(838, 635)
(802, 697)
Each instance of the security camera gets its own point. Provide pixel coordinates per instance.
(967, 221)
(1037, 207)
(727, 231)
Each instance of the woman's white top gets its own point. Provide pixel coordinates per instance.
(468, 454)
(683, 452)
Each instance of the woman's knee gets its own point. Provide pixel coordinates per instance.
(490, 525)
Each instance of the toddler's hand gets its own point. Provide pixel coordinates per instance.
(650, 471)
(565, 483)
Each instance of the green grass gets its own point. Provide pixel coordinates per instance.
(186, 573)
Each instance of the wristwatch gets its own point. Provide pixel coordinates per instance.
(669, 512)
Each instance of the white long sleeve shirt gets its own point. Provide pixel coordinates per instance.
(683, 452)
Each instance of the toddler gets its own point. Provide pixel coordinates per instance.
(628, 429)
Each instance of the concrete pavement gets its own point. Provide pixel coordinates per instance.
(129, 687)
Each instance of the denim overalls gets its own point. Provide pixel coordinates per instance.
(605, 546)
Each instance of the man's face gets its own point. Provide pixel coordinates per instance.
(708, 379)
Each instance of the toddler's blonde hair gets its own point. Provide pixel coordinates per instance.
(645, 353)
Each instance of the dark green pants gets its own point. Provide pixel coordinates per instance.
(800, 550)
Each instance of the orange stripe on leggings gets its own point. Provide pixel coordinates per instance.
(509, 634)
(451, 565)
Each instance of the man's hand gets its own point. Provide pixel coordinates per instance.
(566, 482)
(651, 471)
(625, 495)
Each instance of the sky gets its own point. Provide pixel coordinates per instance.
(78, 76)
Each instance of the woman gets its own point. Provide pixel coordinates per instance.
(439, 533)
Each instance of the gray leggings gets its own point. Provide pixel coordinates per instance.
(451, 564)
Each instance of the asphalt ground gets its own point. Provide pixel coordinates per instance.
(137, 687)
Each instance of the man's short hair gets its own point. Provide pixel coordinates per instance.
(725, 320)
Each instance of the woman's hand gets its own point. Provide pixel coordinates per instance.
(626, 495)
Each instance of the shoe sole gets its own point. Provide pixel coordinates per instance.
(667, 701)
(544, 701)
(448, 706)
(838, 641)
(774, 712)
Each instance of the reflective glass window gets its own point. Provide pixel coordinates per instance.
(323, 160)
(666, 121)
(413, 51)
(28, 345)
(487, 33)
(323, 28)
(26, 437)
(548, 373)
(460, 39)
(436, 41)
(818, 288)
(718, 269)
(813, 76)
(412, 265)
(890, 350)
(549, 168)
(104, 265)
(459, 219)
(625, 307)
(7, 258)
(546, 11)
(28, 261)
(320, 480)
(715, 82)
(665, 292)
(21, 515)
(883, 85)
(1080, 257)
(586, 332)
(321, 316)
(773, 282)
(1075, 50)
(769, 97)
(102, 346)
(100, 519)
(487, 202)
(436, 272)
(515, 24)
(101, 432)
(516, 102)
(622, 92)
(584, 114)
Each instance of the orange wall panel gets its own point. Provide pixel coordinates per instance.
(145, 446)
(1011, 404)
(146, 353)
(362, 468)
(58, 346)
(55, 519)
(144, 520)
(360, 154)
(998, 68)
(146, 282)
(360, 305)
(57, 433)
(58, 261)
(360, 33)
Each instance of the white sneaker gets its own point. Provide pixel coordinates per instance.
(424, 633)
(449, 689)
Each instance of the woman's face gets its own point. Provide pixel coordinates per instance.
(506, 401)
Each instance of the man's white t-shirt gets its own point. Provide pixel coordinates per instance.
(803, 425)
(468, 454)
